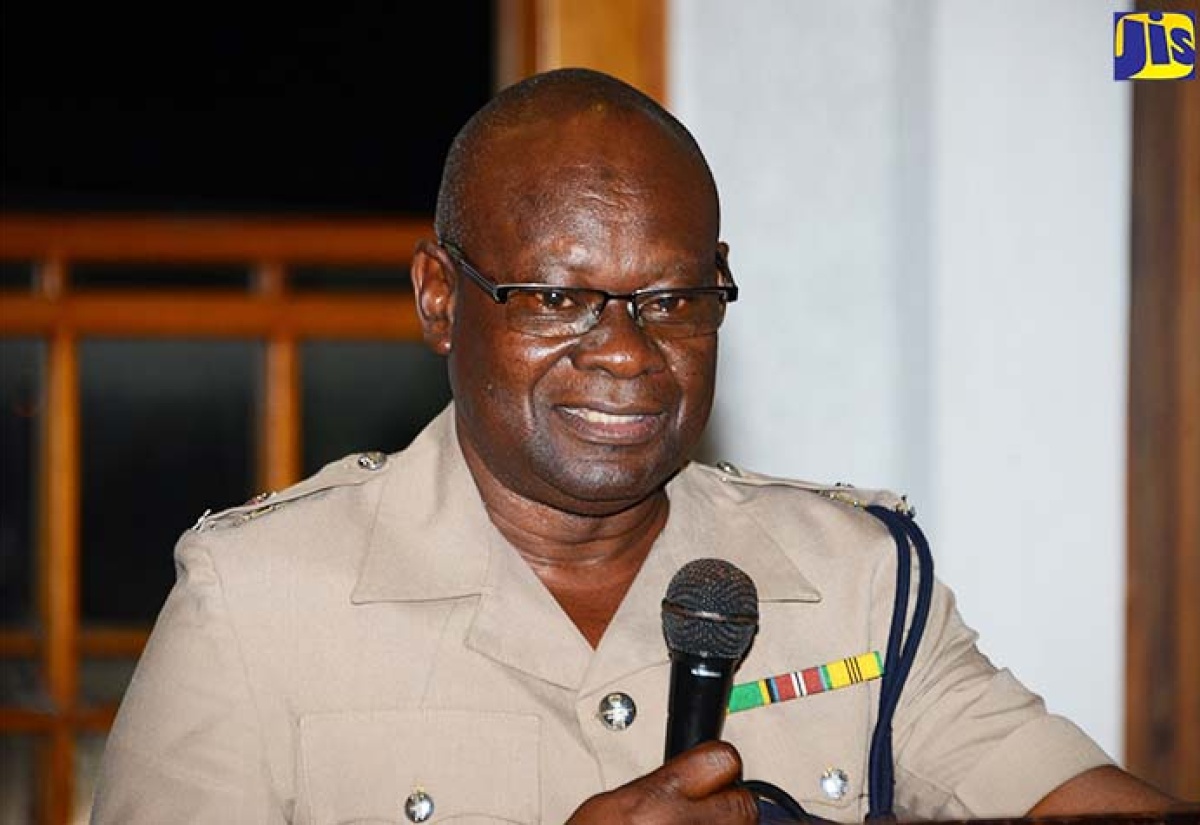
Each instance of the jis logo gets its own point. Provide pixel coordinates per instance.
(1154, 45)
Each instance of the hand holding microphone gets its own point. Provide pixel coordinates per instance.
(710, 617)
(698, 787)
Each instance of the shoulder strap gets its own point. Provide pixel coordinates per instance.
(349, 471)
(859, 497)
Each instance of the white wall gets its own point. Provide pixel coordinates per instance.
(928, 206)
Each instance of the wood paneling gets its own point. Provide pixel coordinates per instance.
(58, 553)
(18, 644)
(1163, 650)
(207, 315)
(83, 720)
(625, 38)
(153, 239)
(515, 41)
(279, 420)
(94, 642)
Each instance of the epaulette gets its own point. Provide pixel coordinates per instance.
(349, 471)
(845, 493)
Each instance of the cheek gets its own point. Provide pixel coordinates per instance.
(495, 371)
(695, 371)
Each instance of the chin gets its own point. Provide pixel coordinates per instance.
(602, 488)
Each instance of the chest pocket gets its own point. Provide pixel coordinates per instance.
(362, 767)
(796, 744)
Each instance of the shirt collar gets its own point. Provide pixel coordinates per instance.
(431, 532)
(432, 540)
(432, 537)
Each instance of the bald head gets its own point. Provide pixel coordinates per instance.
(510, 127)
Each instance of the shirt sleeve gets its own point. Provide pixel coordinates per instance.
(186, 745)
(969, 740)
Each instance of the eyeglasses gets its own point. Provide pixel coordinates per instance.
(549, 311)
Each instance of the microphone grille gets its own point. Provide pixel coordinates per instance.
(710, 610)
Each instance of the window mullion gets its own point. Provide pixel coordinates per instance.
(279, 430)
(59, 557)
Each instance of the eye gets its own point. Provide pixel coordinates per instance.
(547, 303)
(669, 304)
(555, 299)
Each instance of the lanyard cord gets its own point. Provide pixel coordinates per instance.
(900, 655)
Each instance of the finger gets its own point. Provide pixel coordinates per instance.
(701, 771)
(732, 806)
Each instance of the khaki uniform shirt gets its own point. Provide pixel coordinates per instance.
(368, 633)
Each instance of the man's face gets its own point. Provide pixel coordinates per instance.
(595, 423)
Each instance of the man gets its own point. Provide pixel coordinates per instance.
(436, 634)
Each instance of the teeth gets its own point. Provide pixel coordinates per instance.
(598, 417)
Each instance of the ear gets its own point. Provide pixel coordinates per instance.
(434, 284)
(723, 253)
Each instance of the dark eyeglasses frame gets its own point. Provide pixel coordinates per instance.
(500, 292)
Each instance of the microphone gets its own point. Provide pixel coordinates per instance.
(709, 617)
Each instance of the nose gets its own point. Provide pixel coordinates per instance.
(617, 345)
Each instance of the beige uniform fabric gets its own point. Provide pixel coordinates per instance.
(368, 632)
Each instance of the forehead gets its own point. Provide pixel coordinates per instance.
(591, 176)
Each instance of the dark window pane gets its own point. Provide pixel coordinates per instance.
(21, 392)
(367, 396)
(158, 276)
(103, 681)
(22, 686)
(16, 275)
(168, 431)
(16, 778)
(350, 279)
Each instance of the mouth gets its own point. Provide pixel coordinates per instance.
(608, 427)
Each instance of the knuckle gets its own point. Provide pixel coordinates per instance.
(744, 805)
(722, 756)
(666, 785)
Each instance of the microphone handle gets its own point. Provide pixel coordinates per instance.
(698, 700)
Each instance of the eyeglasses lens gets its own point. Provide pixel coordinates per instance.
(563, 312)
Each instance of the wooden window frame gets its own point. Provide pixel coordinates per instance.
(270, 312)
(625, 38)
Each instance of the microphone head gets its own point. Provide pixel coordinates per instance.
(710, 610)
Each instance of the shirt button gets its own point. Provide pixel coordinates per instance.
(617, 711)
(419, 806)
(728, 469)
(372, 460)
(834, 783)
